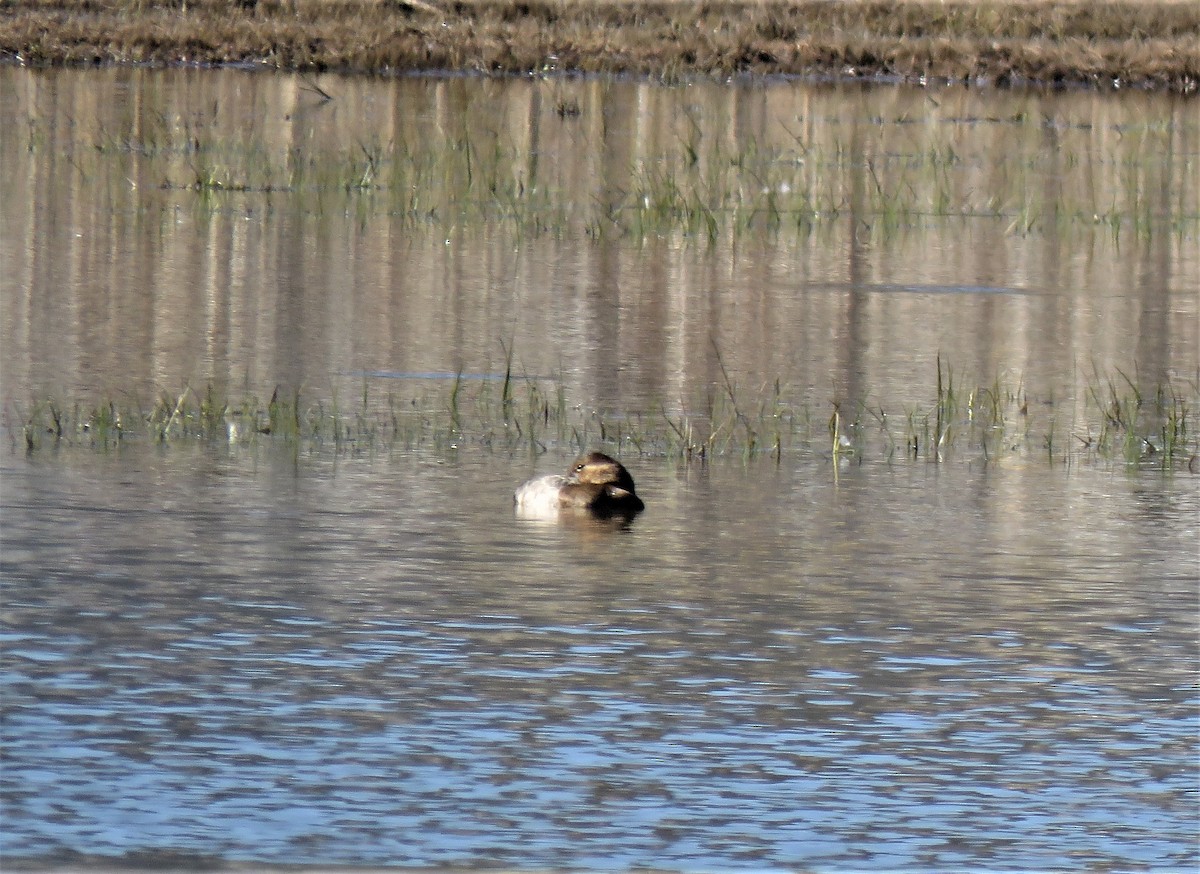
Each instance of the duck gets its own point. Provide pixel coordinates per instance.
(595, 483)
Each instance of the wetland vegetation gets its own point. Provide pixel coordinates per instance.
(1078, 185)
(1111, 44)
(1028, 171)
(913, 377)
(967, 420)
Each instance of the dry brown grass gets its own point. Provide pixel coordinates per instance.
(1152, 43)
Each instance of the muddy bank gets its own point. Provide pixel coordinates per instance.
(1142, 43)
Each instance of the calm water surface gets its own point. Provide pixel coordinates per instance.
(416, 225)
(249, 653)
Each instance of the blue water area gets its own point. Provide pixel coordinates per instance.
(313, 674)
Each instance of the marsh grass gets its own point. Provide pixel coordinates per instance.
(1137, 427)
(1114, 422)
(1143, 42)
(700, 187)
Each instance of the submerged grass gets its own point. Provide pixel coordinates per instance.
(1115, 422)
(703, 187)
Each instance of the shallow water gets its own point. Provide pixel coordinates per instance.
(317, 654)
(371, 661)
(425, 225)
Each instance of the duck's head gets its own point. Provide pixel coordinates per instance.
(596, 468)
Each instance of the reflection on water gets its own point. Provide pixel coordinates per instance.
(248, 657)
(284, 653)
(413, 225)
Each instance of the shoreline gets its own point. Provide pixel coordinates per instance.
(1120, 44)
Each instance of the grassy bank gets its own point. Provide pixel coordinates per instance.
(1155, 43)
(1114, 422)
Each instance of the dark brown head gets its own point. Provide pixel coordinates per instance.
(603, 485)
(599, 469)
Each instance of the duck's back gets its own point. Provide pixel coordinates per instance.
(541, 496)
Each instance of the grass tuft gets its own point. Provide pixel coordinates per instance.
(1119, 422)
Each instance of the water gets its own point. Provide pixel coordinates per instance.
(227, 655)
(314, 656)
(1042, 239)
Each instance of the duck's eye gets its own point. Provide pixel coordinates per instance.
(579, 467)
